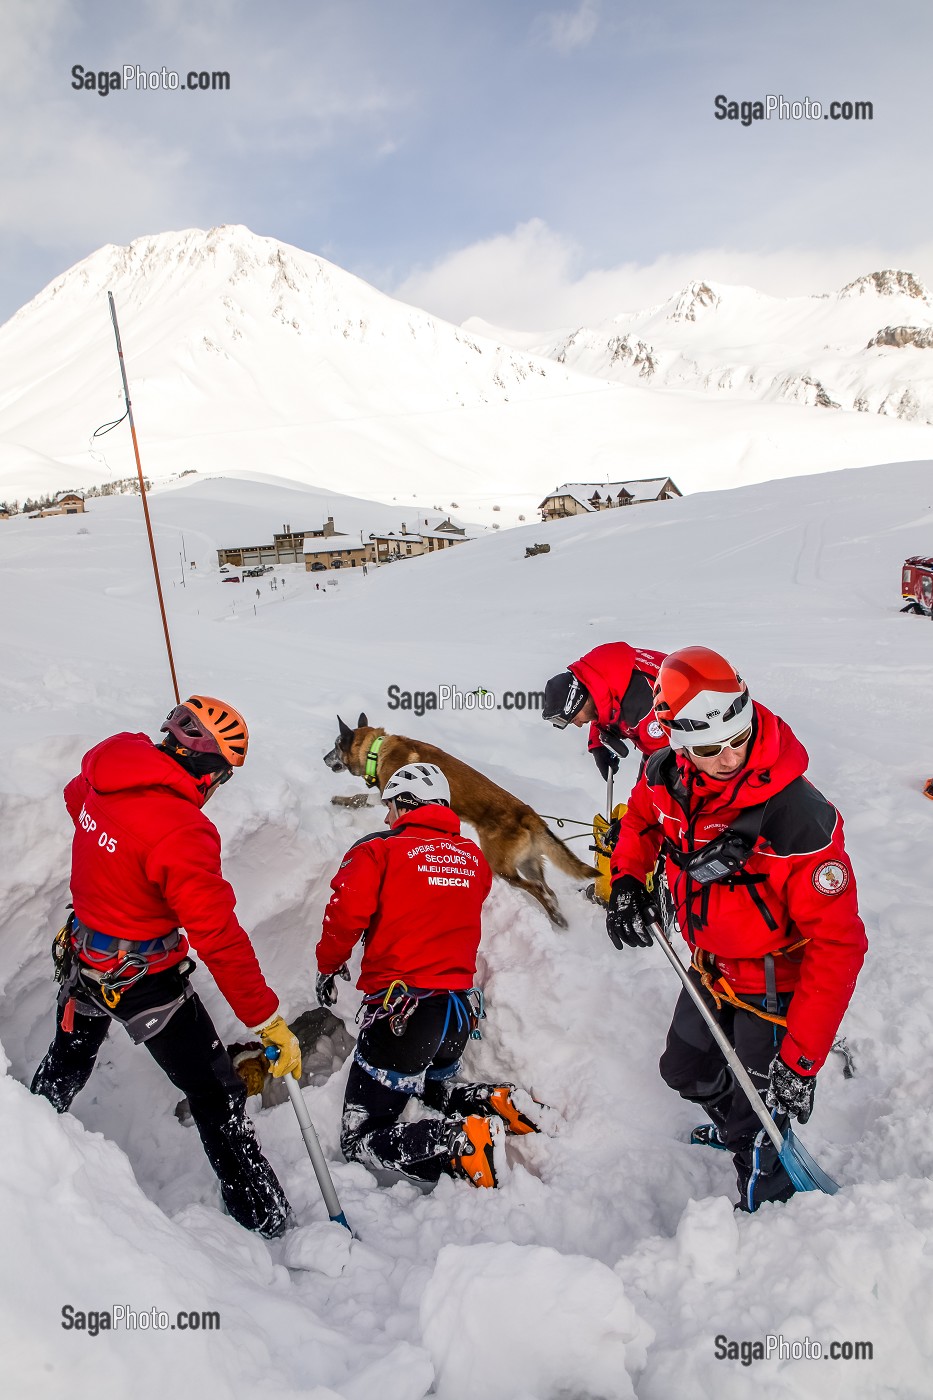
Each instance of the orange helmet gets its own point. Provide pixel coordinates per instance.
(205, 725)
(700, 699)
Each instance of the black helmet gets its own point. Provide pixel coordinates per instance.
(564, 698)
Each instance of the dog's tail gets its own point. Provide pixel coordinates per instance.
(553, 848)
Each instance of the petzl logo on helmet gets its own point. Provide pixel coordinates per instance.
(831, 877)
(572, 694)
(711, 714)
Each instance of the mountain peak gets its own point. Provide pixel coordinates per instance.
(887, 283)
(695, 296)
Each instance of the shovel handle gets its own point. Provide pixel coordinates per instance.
(732, 1059)
(315, 1152)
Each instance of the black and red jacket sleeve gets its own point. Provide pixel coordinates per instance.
(823, 908)
(639, 845)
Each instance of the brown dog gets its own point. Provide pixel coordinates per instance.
(512, 836)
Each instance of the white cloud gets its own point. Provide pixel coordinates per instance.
(533, 279)
(572, 29)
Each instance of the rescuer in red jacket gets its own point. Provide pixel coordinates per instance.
(764, 894)
(610, 689)
(415, 894)
(145, 865)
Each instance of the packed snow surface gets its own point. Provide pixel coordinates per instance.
(610, 1260)
(246, 354)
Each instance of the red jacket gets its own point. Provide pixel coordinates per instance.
(806, 888)
(620, 680)
(146, 860)
(415, 894)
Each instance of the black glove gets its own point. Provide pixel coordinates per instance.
(606, 761)
(325, 986)
(790, 1092)
(631, 908)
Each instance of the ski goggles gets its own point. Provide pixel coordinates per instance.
(713, 750)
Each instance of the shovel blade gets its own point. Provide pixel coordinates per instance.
(804, 1172)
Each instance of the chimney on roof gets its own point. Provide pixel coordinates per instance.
(404, 531)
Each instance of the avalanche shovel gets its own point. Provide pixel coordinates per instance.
(804, 1173)
(318, 1161)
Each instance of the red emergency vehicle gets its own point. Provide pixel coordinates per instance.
(917, 585)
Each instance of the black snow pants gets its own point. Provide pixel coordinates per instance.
(190, 1052)
(692, 1064)
(389, 1070)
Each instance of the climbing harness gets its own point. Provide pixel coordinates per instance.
(399, 1001)
(74, 953)
(704, 964)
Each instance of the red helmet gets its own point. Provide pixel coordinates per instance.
(205, 725)
(700, 699)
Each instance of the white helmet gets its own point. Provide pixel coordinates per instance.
(699, 698)
(415, 784)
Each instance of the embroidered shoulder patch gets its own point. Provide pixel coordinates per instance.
(831, 877)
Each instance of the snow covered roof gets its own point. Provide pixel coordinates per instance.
(645, 489)
(331, 544)
(407, 538)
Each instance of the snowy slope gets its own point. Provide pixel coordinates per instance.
(244, 353)
(611, 1259)
(865, 348)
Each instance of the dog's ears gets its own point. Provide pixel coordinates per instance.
(346, 732)
(362, 722)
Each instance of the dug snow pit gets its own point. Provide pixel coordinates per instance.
(708, 1239)
(559, 1324)
(323, 1247)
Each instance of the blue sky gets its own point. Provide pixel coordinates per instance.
(532, 164)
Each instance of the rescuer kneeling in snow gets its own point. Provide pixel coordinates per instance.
(415, 894)
(762, 891)
(145, 864)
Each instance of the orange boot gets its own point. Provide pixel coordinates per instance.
(472, 1150)
(502, 1103)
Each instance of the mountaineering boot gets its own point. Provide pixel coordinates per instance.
(515, 1108)
(471, 1149)
(707, 1135)
(518, 1110)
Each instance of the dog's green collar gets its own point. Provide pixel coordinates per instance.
(369, 773)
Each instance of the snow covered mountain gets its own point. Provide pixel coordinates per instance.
(246, 354)
(862, 349)
(611, 1259)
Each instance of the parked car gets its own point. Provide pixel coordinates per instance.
(231, 578)
(254, 573)
(917, 585)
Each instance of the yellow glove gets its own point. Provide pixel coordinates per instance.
(277, 1033)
